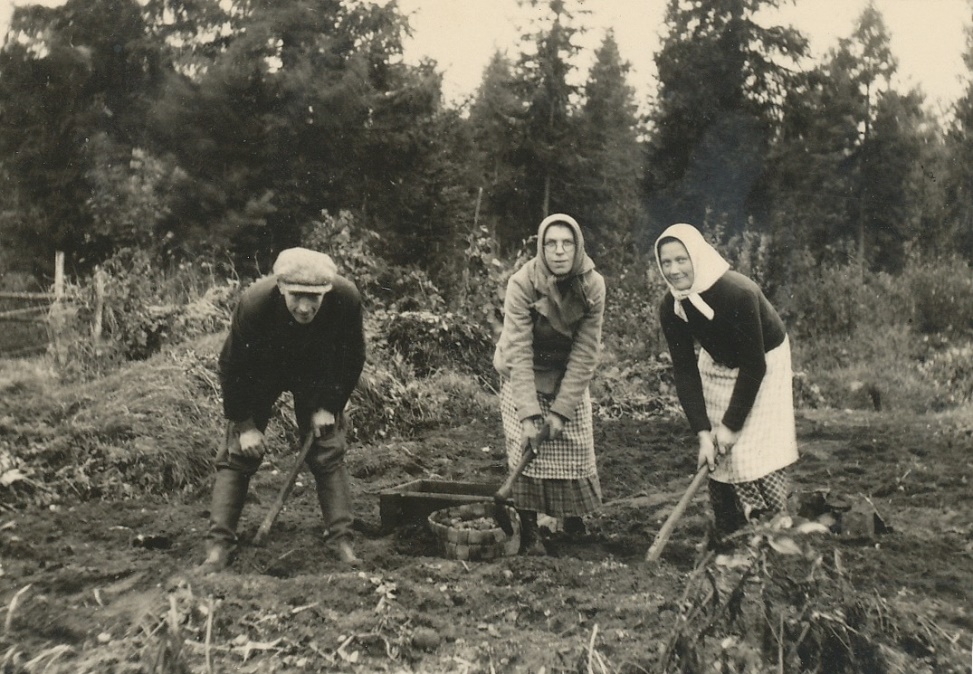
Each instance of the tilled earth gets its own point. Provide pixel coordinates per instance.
(109, 587)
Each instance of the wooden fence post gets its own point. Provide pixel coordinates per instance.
(57, 318)
(98, 325)
(58, 275)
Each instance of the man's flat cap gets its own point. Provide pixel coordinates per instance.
(300, 270)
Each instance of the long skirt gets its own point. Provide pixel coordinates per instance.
(752, 472)
(562, 480)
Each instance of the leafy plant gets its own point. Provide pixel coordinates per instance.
(950, 370)
(437, 341)
(143, 308)
(776, 602)
(354, 249)
(942, 294)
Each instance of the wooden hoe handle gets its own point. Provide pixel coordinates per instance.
(662, 537)
(285, 491)
(527, 455)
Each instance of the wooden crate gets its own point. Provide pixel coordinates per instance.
(413, 502)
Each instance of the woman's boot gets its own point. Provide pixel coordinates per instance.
(574, 526)
(530, 535)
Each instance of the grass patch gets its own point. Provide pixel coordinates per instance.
(909, 372)
(148, 428)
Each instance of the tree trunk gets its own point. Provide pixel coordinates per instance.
(547, 195)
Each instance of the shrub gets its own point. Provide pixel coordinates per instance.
(835, 301)
(144, 309)
(431, 342)
(635, 392)
(631, 332)
(383, 285)
(456, 399)
(949, 368)
(390, 401)
(941, 291)
(891, 362)
(807, 394)
(748, 252)
(479, 294)
(824, 302)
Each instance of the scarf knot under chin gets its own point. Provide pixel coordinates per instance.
(563, 309)
(696, 300)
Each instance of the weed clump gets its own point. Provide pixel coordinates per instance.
(782, 602)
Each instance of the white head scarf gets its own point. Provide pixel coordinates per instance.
(708, 267)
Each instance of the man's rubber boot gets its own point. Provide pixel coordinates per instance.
(346, 553)
(217, 558)
(334, 497)
(530, 535)
(229, 494)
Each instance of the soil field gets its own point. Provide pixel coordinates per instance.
(109, 587)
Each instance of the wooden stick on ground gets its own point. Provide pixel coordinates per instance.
(285, 491)
(662, 537)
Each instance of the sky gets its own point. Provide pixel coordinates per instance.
(927, 36)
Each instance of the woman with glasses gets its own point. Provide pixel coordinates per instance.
(546, 357)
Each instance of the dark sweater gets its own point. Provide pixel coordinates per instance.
(744, 328)
(268, 352)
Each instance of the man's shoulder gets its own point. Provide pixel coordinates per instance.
(259, 293)
(262, 286)
(345, 288)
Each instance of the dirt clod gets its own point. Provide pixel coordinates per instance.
(426, 639)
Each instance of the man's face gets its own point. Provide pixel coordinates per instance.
(676, 265)
(302, 305)
(559, 249)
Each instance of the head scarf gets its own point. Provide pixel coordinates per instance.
(708, 267)
(563, 301)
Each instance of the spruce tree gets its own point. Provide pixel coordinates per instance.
(608, 198)
(723, 78)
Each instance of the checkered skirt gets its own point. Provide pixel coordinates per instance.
(562, 481)
(768, 439)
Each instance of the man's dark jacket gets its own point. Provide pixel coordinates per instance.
(268, 352)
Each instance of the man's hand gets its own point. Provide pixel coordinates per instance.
(707, 450)
(322, 421)
(725, 439)
(555, 424)
(252, 443)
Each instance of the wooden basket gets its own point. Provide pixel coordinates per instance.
(458, 542)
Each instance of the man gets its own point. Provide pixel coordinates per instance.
(299, 330)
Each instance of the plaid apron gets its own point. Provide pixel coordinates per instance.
(562, 481)
(768, 439)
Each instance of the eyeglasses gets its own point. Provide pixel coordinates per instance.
(552, 246)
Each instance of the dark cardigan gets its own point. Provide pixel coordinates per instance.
(744, 328)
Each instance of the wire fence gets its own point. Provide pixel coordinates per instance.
(24, 329)
(25, 317)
